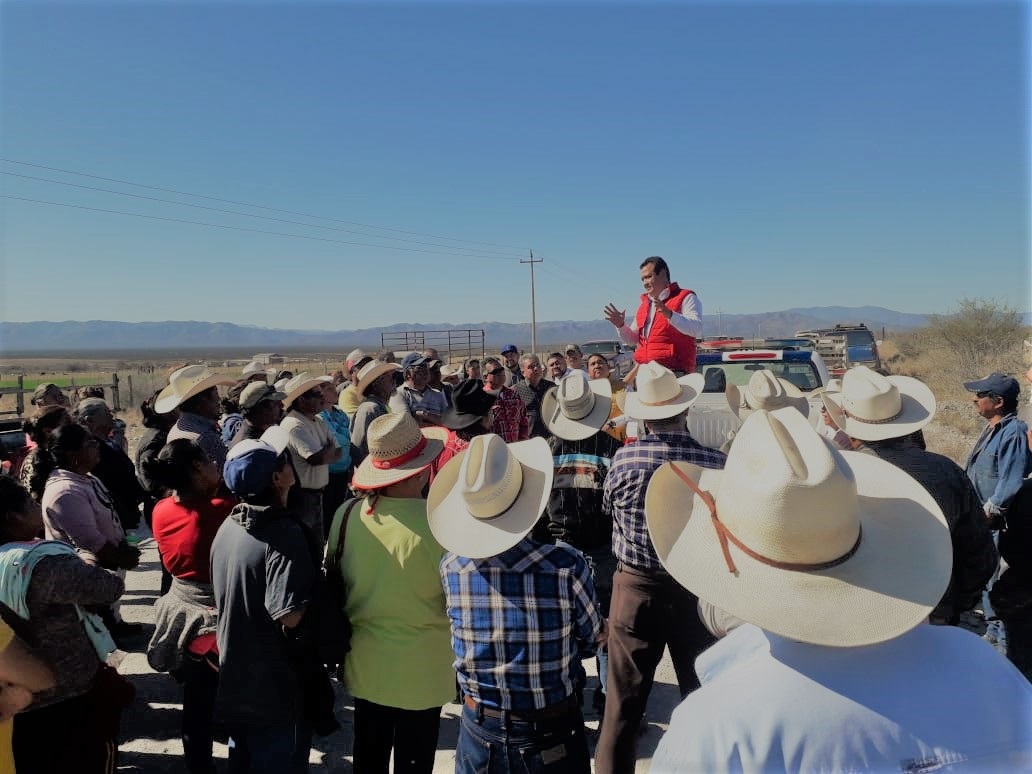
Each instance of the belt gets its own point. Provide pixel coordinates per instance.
(551, 712)
(648, 573)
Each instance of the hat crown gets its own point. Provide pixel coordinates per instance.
(255, 393)
(490, 477)
(187, 376)
(656, 384)
(786, 494)
(869, 396)
(393, 435)
(574, 395)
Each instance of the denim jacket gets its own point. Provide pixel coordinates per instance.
(999, 462)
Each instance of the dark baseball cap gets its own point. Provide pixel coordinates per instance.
(997, 384)
(509, 348)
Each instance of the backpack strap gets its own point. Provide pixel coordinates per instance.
(335, 546)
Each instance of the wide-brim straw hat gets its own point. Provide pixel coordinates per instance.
(300, 384)
(398, 449)
(873, 407)
(577, 407)
(865, 551)
(372, 371)
(488, 498)
(769, 392)
(660, 394)
(186, 382)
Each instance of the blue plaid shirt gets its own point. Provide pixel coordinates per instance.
(623, 494)
(521, 622)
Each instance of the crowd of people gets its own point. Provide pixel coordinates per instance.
(428, 533)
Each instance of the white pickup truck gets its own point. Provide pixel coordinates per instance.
(711, 420)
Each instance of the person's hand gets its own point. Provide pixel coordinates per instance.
(603, 636)
(615, 316)
(662, 308)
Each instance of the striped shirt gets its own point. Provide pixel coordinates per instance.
(520, 623)
(574, 507)
(204, 432)
(623, 494)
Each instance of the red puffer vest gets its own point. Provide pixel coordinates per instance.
(665, 344)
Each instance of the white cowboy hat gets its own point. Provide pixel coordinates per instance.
(397, 450)
(768, 392)
(577, 407)
(300, 384)
(185, 383)
(659, 394)
(489, 497)
(372, 371)
(253, 368)
(826, 547)
(872, 407)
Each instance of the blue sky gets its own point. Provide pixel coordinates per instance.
(778, 155)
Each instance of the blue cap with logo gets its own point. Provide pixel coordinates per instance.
(251, 463)
(509, 348)
(997, 384)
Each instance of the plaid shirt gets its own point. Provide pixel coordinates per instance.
(521, 622)
(623, 494)
(531, 397)
(204, 432)
(509, 414)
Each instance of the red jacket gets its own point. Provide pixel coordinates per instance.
(665, 344)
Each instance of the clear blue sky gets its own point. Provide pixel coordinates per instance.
(778, 155)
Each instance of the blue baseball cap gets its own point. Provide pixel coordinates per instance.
(997, 384)
(251, 463)
(509, 348)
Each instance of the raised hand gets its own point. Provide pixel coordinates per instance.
(616, 316)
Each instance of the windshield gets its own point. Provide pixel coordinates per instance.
(802, 375)
(599, 348)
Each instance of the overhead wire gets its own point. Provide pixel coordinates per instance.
(252, 215)
(254, 230)
(260, 206)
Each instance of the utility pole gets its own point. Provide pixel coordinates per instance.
(533, 312)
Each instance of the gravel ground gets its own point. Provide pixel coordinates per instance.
(150, 728)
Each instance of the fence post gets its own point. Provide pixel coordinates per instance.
(129, 380)
(19, 400)
(114, 392)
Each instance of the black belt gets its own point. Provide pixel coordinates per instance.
(551, 712)
(648, 573)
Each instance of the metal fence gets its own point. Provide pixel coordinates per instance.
(453, 344)
(21, 391)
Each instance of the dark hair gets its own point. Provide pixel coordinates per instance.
(152, 418)
(190, 403)
(1010, 403)
(14, 498)
(486, 360)
(91, 392)
(174, 465)
(559, 355)
(50, 420)
(64, 441)
(658, 265)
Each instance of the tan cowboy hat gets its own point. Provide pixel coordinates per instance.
(186, 382)
(489, 497)
(660, 394)
(372, 371)
(872, 407)
(577, 407)
(397, 450)
(827, 547)
(768, 392)
(298, 385)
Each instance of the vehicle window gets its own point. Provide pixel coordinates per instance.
(802, 375)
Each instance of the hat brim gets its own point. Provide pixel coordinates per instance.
(691, 388)
(917, 407)
(367, 476)
(302, 388)
(889, 586)
(375, 373)
(168, 399)
(462, 533)
(569, 429)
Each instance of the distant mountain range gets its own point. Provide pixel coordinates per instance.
(108, 336)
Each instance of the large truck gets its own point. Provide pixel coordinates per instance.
(844, 346)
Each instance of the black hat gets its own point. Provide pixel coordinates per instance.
(469, 404)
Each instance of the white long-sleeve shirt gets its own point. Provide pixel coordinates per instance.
(687, 319)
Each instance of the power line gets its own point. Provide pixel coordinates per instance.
(252, 230)
(252, 215)
(260, 206)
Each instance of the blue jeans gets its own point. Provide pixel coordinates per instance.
(489, 745)
(269, 750)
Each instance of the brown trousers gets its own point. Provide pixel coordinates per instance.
(648, 612)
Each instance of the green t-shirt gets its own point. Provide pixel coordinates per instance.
(401, 652)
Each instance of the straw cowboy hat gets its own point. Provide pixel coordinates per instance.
(577, 407)
(398, 449)
(768, 392)
(488, 498)
(872, 407)
(372, 371)
(450, 372)
(186, 382)
(826, 547)
(296, 386)
(660, 394)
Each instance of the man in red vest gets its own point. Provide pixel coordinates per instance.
(668, 322)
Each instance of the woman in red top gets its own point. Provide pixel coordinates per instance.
(184, 526)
